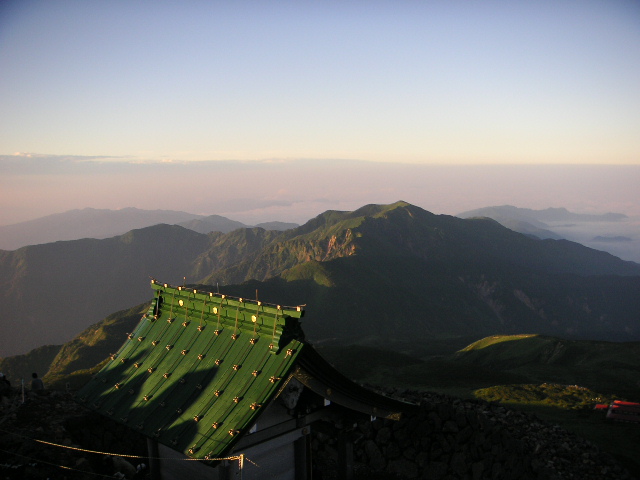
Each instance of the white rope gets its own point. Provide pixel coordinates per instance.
(56, 465)
(235, 457)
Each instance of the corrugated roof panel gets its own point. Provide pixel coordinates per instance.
(197, 370)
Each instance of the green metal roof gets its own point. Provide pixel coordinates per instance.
(198, 369)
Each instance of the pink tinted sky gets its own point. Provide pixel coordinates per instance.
(295, 191)
(399, 89)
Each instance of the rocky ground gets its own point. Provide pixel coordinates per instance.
(54, 417)
(448, 439)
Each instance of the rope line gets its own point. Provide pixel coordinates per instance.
(235, 457)
(251, 462)
(35, 460)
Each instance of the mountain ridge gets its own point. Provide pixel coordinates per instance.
(440, 274)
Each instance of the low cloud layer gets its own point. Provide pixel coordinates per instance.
(296, 190)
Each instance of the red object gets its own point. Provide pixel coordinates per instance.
(631, 404)
(624, 411)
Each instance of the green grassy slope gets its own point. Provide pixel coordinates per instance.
(95, 343)
(597, 365)
(527, 369)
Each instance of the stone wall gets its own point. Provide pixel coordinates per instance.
(449, 438)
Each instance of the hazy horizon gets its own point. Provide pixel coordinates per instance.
(295, 191)
(282, 110)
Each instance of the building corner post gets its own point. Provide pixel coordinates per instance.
(154, 459)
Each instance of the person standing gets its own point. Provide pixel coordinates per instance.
(5, 385)
(37, 384)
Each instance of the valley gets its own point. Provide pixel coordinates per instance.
(397, 298)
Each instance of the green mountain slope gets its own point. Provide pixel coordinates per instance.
(73, 362)
(95, 343)
(384, 271)
(600, 366)
(229, 249)
(396, 270)
(401, 229)
(527, 367)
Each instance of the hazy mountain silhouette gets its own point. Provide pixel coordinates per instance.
(539, 218)
(588, 229)
(383, 271)
(534, 222)
(85, 223)
(212, 223)
(103, 223)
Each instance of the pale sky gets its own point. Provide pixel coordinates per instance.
(292, 108)
(426, 82)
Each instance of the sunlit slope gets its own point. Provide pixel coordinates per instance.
(528, 364)
(397, 270)
(401, 229)
(386, 270)
(604, 366)
(95, 343)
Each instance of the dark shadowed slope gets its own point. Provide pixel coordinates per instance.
(51, 292)
(382, 270)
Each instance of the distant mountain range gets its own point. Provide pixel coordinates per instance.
(536, 222)
(383, 272)
(615, 233)
(103, 223)
(538, 216)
